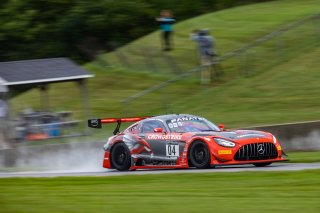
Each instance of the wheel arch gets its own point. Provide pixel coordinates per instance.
(197, 139)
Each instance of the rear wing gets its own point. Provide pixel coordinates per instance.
(97, 123)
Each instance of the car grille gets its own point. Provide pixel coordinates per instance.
(256, 151)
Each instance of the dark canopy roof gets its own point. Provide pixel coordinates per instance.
(26, 74)
(40, 70)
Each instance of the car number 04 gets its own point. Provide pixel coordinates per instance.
(172, 150)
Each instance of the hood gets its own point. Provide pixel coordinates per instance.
(237, 135)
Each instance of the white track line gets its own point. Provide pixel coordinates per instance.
(237, 168)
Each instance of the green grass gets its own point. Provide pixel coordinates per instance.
(261, 192)
(304, 157)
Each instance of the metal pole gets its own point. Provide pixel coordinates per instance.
(316, 23)
(44, 98)
(6, 127)
(125, 107)
(147, 55)
(85, 103)
(279, 48)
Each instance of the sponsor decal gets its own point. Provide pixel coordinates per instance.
(163, 137)
(178, 121)
(172, 150)
(224, 152)
(186, 119)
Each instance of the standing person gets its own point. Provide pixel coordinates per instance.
(207, 54)
(166, 21)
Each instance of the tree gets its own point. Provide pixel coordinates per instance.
(81, 28)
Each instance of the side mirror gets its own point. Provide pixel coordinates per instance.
(221, 126)
(158, 130)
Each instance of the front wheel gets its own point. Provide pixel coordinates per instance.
(199, 155)
(120, 157)
(262, 164)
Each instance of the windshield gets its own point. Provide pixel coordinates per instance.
(190, 124)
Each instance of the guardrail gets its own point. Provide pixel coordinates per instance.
(302, 136)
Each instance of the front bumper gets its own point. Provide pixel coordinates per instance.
(233, 162)
(247, 153)
(106, 160)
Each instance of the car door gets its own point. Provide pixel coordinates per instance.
(156, 140)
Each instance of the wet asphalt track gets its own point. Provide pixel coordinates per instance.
(237, 168)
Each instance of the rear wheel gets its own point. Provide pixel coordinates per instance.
(199, 155)
(120, 157)
(262, 164)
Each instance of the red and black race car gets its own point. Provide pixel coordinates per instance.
(183, 141)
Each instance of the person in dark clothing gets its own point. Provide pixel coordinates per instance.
(166, 21)
(205, 46)
(208, 55)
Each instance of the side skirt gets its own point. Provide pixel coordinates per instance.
(159, 167)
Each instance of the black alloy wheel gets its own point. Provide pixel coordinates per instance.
(120, 157)
(199, 155)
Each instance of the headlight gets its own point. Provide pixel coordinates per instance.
(223, 142)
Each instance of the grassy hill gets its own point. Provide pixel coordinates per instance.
(285, 92)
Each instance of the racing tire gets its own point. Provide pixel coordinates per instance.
(120, 157)
(199, 155)
(262, 164)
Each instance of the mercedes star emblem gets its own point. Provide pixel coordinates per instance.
(260, 149)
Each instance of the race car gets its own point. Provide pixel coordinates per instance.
(184, 141)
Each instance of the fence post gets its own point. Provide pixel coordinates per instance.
(171, 63)
(148, 58)
(203, 75)
(125, 107)
(251, 62)
(279, 47)
(123, 58)
(243, 62)
(164, 99)
(316, 23)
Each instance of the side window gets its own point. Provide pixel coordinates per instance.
(149, 126)
(134, 129)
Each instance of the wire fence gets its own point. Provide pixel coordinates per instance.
(262, 54)
(146, 58)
